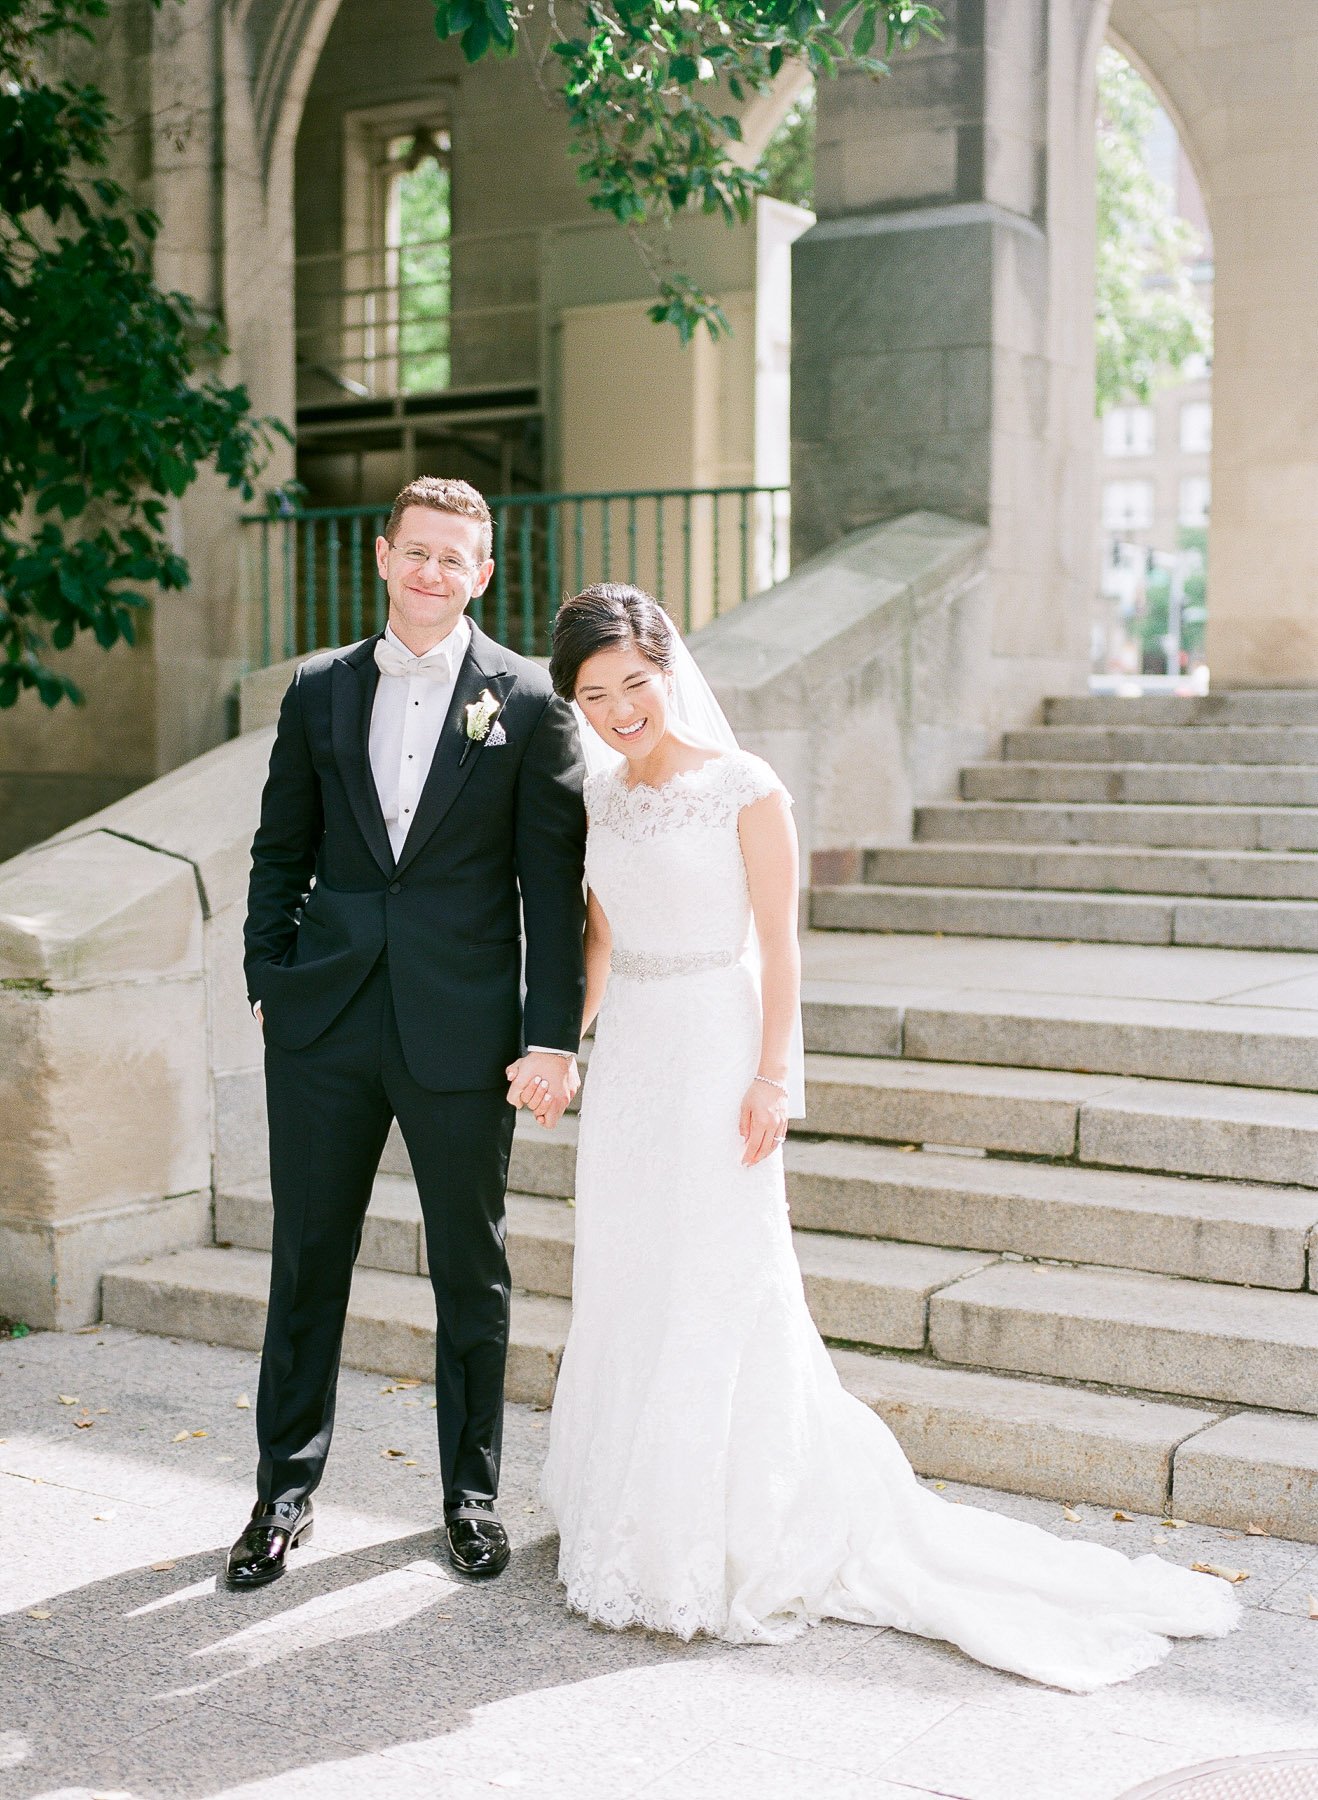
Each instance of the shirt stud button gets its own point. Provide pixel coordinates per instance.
(395, 887)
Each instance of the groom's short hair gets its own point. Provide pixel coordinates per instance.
(443, 494)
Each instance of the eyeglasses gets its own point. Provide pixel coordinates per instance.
(455, 567)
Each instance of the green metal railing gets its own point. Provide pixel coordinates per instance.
(700, 550)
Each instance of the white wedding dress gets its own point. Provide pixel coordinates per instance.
(707, 1471)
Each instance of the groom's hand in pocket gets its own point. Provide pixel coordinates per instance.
(544, 1084)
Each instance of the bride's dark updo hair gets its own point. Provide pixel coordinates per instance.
(610, 615)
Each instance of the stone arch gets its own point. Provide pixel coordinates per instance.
(1135, 29)
(283, 40)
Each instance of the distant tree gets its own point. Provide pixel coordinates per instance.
(103, 415)
(1149, 320)
(647, 85)
(787, 167)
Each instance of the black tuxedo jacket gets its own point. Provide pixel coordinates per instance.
(495, 826)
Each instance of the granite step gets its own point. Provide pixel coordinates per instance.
(1099, 869)
(1167, 1127)
(1238, 1045)
(1198, 1339)
(1028, 1435)
(1142, 783)
(859, 1290)
(960, 1425)
(1284, 745)
(1130, 826)
(1236, 1232)
(1170, 1040)
(1295, 706)
(1230, 924)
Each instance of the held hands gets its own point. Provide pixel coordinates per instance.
(544, 1085)
(763, 1122)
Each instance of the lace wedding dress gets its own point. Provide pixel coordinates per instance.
(707, 1471)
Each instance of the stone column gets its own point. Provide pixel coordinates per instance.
(942, 320)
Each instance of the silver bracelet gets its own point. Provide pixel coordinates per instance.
(769, 1081)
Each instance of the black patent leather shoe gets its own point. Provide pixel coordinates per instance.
(275, 1528)
(477, 1542)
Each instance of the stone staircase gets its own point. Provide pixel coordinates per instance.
(1056, 1205)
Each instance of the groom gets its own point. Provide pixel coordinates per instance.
(422, 812)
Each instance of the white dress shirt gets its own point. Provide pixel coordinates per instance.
(406, 720)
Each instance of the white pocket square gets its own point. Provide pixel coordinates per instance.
(495, 736)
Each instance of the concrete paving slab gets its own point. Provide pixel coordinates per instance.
(496, 1686)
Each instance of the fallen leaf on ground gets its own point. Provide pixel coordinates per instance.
(387, 1390)
(160, 1567)
(102, 1409)
(102, 1518)
(1070, 1515)
(181, 1437)
(200, 1434)
(409, 1462)
(38, 1613)
(1123, 1518)
(1220, 1572)
(407, 1381)
(1313, 1606)
(243, 1403)
(83, 1424)
(1255, 1531)
(1174, 1524)
(67, 1399)
(432, 1404)
(393, 1453)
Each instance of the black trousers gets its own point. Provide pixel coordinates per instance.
(330, 1108)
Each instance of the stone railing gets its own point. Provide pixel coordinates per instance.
(130, 1066)
(864, 678)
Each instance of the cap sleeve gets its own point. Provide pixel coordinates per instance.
(749, 778)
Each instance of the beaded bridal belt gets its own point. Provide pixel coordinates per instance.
(642, 967)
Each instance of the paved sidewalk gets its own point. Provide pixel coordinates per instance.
(371, 1672)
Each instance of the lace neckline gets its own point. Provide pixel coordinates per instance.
(670, 781)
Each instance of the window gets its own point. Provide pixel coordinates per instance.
(1197, 427)
(1193, 508)
(1128, 505)
(418, 256)
(1128, 431)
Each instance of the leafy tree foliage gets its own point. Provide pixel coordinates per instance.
(103, 417)
(647, 85)
(1149, 320)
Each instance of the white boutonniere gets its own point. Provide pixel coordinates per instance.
(480, 716)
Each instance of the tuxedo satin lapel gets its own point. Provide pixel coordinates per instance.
(351, 698)
(483, 667)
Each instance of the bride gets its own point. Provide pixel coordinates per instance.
(707, 1470)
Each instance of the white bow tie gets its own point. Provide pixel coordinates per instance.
(390, 660)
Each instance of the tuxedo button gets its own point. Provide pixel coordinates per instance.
(395, 887)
